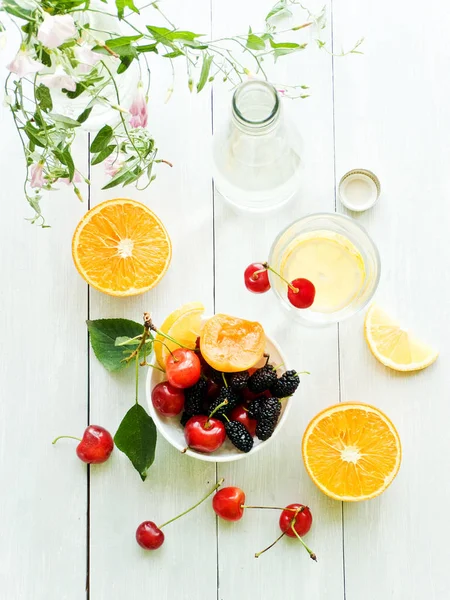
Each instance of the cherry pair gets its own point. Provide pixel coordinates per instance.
(301, 292)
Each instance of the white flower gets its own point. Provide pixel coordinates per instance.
(55, 30)
(59, 80)
(37, 175)
(23, 64)
(76, 179)
(86, 58)
(113, 164)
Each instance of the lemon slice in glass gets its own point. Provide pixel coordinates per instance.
(393, 345)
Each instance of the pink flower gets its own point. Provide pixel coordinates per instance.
(55, 30)
(23, 64)
(76, 179)
(86, 58)
(59, 80)
(37, 175)
(113, 164)
(138, 109)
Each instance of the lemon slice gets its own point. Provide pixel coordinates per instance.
(394, 346)
(183, 325)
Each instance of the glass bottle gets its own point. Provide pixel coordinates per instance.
(257, 164)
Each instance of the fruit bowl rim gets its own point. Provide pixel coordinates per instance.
(155, 376)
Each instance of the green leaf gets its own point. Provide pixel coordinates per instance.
(124, 40)
(33, 135)
(66, 159)
(147, 48)
(165, 36)
(102, 139)
(136, 437)
(123, 4)
(46, 58)
(79, 89)
(283, 48)
(125, 62)
(84, 115)
(173, 54)
(204, 74)
(254, 42)
(101, 156)
(122, 177)
(103, 334)
(13, 8)
(43, 97)
(279, 7)
(67, 121)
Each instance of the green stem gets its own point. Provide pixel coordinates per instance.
(71, 437)
(224, 403)
(137, 377)
(310, 552)
(270, 507)
(258, 554)
(290, 286)
(171, 339)
(120, 112)
(218, 484)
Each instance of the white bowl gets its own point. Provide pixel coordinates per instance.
(171, 429)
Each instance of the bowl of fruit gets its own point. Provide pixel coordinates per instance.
(221, 388)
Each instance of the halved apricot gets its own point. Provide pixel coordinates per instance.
(230, 344)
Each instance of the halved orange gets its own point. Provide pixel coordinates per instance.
(230, 344)
(352, 451)
(121, 248)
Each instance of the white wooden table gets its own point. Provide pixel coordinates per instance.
(65, 529)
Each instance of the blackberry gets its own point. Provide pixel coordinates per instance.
(254, 407)
(225, 394)
(238, 381)
(262, 379)
(268, 418)
(184, 418)
(193, 398)
(270, 409)
(239, 436)
(216, 376)
(286, 385)
(265, 429)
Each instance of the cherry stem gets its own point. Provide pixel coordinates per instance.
(218, 484)
(258, 554)
(290, 286)
(257, 273)
(224, 380)
(271, 508)
(310, 552)
(171, 339)
(224, 403)
(71, 437)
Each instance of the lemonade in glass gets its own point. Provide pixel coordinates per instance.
(337, 255)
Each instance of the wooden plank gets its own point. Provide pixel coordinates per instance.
(392, 116)
(181, 197)
(276, 475)
(43, 375)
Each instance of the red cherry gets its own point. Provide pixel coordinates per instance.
(305, 294)
(256, 282)
(183, 368)
(149, 536)
(228, 503)
(212, 390)
(240, 414)
(96, 445)
(247, 395)
(167, 399)
(303, 520)
(204, 434)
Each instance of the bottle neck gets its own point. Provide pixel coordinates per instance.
(256, 107)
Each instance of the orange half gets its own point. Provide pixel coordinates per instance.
(352, 451)
(121, 248)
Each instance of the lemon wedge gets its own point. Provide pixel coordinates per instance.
(183, 325)
(394, 346)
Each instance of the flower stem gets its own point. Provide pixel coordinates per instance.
(72, 437)
(258, 554)
(218, 484)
